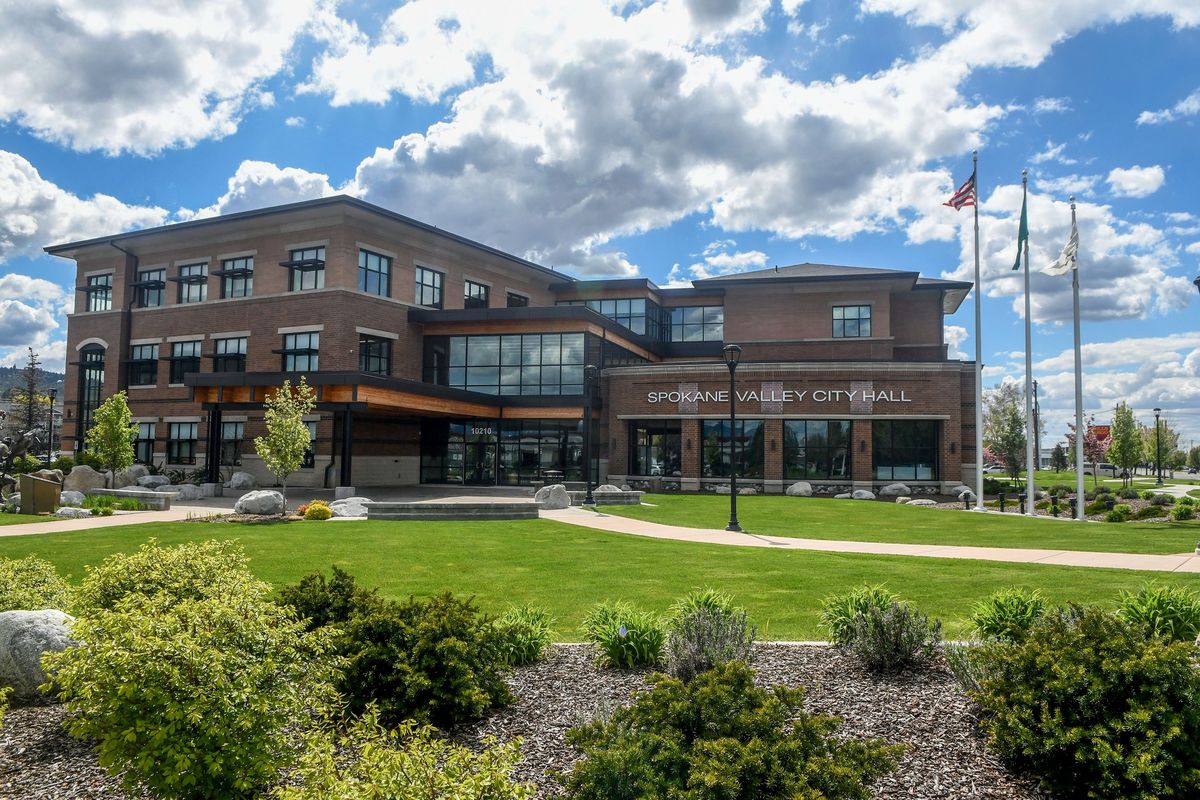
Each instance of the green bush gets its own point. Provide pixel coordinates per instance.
(1103, 490)
(1168, 611)
(437, 660)
(32, 584)
(5, 691)
(321, 602)
(525, 633)
(993, 486)
(24, 464)
(894, 638)
(407, 762)
(191, 698)
(1060, 489)
(192, 571)
(1183, 512)
(317, 510)
(1186, 500)
(1096, 507)
(706, 598)
(1150, 512)
(1127, 493)
(964, 665)
(101, 505)
(1164, 500)
(129, 504)
(838, 611)
(1147, 495)
(1008, 613)
(720, 737)
(1095, 709)
(65, 463)
(627, 637)
(1121, 513)
(708, 637)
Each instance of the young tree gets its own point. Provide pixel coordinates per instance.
(28, 404)
(1011, 445)
(110, 439)
(996, 402)
(282, 449)
(1095, 447)
(1126, 448)
(1193, 457)
(1058, 458)
(1150, 441)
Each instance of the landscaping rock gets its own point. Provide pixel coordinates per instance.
(82, 479)
(722, 489)
(241, 481)
(263, 503)
(350, 507)
(894, 490)
(748, 491)
(55, 475)
(15, 499)
(68, 512)
(70, 498)
(625, 487)
(843, 496)
(924, 501)
(129, 476)
(800, 489)
(183, 492)
(958, 490)
(967, 495)
(903, 499)
(862, 494)
(24, 637)
(552, 497)
(153, 481)
(607, 488)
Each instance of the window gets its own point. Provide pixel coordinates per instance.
(300, 351)
(310, 455)
(905, 449)
(506, 452)
(143, 445)
(185, 358)
(151, 285)
(851, 321)
(475, 295)
(529, 364)
(716, 453)
(232, 434)
(193, 283)
(91, 384)
(99, 292)
(229, 355)
(514, 300)
(374, 273)
(654, 448)
(375, 355)
(307, 267)
(429, 287)
(181, 446)
(638, 314)
(698, 324)
(237, 277)
(143, 365)
(816, 448)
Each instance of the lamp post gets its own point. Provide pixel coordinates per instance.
(1197, 282)
(50, 437)
(732, 354)
(1157, 449)
(589, 379)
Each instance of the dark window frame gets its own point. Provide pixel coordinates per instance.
(642, 446)
(231, 448)
(524, 364)
(310, 455)
(896, 454)
(298, 278)
(91, 385)
(436, 286)
(515, 300)
(193, 292)
(145, 293)
(294, 351)
(143, 365)
(100, 299)
(241, 284)
(183, 363)
(182, 450)
(382, 273)
(862, 324)
(698, 323)
(223, 359)
(143, 447)
(799, 442)
(721, 448)
(480, 298)
(374, 355)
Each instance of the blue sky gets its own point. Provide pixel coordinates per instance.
(672, 139)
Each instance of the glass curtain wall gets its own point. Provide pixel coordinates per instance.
(717, 448)
(505, 452)
(905, 449)
(655, 448)
(816, 448)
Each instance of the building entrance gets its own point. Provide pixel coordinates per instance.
(479, 468)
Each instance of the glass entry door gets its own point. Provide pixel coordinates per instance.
(480, 466)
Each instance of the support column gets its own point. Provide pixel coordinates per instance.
(861, 468)
(345, 487)
(212, 456)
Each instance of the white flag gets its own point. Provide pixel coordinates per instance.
(1066, 259)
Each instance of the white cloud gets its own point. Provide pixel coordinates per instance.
(1187, 107)
(1051, 105)
(258, 184)
(1067, 184)
(131, 76)
(1053, 152)
(1136, 181)
(1193, 248)
(32, 314)
(294, 122)
(955, 335)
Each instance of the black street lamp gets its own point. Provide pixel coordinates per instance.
(732, 354)
(589, 380)
(50, 437)
(1157, 448)
(1197, 282)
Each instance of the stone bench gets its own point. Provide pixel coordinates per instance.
(492, 509)
(159, 501)
(607, 498)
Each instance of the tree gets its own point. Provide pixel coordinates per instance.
(28, 404)
(996, 402)
(1095, 447)
(282, 449)
(1058, 458)
(110, 439)
(1011, 445)
(1126, 448)
(1193, 457)
(1150, 444)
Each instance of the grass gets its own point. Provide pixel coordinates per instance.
(1048, 477)
(21, 519)
(825, 518)
(567, 569)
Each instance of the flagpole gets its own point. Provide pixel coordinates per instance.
(1079, 432)
(1030, 497)
(978, 348)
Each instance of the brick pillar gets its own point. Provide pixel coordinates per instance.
(689, 434)
(860, 458)
(618, 453)
(773, 459)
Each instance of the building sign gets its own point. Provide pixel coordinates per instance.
(779, 395)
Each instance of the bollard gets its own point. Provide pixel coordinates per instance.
(966, 502)
(1054, 505)
(1071, 503)
(1002, 502)
(1110, 503)
(1022, 499)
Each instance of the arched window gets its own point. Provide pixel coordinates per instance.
(91, 385)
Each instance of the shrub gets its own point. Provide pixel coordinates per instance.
(1186, 500)
(31, 584)
(129, 504)
(192, 571)
(1164, 500)
(627, 637)
(1150, 512)
(720, 736)
(318, 510)
(1121, 513)
(321, 602)
(1061, 489)
(993, 486)
(408, 762)
(1096, 507)
(838, 611)
(437, 660)
(706, 598)
(707, 638)
(1127, 493)
(1008, 614)
(302, 509)
(1181, 512)
(190, 698)
(1168, 611)
(894, 638)
(101, 505)
(1147, 495)
(5, 691)
(1103, 490)
(1094, 708)
(964, 665)
(525, 633)
(65, 463)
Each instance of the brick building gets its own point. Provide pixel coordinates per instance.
(440, 360)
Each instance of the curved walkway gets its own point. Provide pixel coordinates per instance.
(1064, 558)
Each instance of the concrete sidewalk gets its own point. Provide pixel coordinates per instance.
(1065, 558)
(175, 514)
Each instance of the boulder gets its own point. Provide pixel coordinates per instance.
(68, 512)
(183, 492)
(24, 637)
(129, 476)
(843, 496)
(15, 499)
(263, 503)
(625, 487)
(923, 501)
(894, 490)
(903, 499)
(862, 494)
(607, 488)
(350, 507)
(722, 488)
(83, 479)
(800, 489)
(55, 475)
(153, 481)
(552, 497)
(967, 495)
(750, 490)
(70, 498)
(241, 481)
(958, 490)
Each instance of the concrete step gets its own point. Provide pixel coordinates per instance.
(474, 510)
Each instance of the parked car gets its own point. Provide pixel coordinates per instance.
(993, 469)
(1106, 470)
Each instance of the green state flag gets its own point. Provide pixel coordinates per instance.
(1022, 232)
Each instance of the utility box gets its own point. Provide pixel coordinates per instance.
(38, 495)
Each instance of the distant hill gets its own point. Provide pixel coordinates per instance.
(10, 378)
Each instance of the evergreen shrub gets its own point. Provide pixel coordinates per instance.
(320, 602)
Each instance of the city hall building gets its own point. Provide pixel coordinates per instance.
(440, 360)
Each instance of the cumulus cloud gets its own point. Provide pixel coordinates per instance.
(258, 184)
(1052, 152)
(1187, 107)
(1067, 184)
(718, 258)
(1193, 248)
(32, 314)
(955, 335)
(1136, 181)
(138, 77)
(294, 122)
(1051, 105)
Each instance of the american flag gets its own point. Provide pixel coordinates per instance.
(965, 196)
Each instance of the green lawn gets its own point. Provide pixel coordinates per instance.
(825, 518)
(1048, 477)
(567, 568)
(21, 519)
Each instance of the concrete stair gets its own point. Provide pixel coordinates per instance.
(480, 509)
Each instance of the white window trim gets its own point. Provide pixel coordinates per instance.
(239, 254)
(191, 262)
(301, 329)
(380, 334)
(473, 279)
(230, 335)
(90, 341)
(192, 337)
(136, 342)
